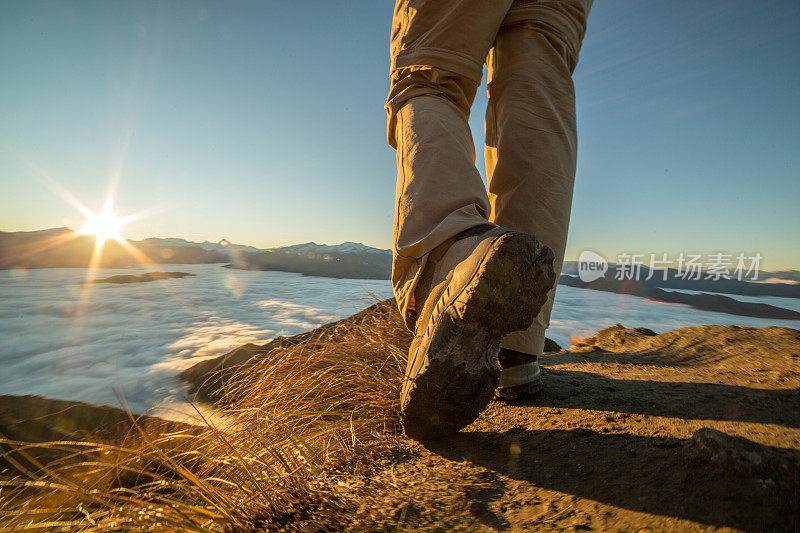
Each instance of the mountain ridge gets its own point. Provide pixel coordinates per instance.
(311, 246)
(65, 248)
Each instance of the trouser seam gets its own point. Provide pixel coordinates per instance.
(399, 117)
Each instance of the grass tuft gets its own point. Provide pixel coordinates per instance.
(291, 418)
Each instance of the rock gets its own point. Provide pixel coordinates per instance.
(142, 278)
(34, 419)
(616, 337)
(705, 343)
(551, 346)
(745, 457)
(38, 419)
(723, 448)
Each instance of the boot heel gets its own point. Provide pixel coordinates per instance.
(511, 287)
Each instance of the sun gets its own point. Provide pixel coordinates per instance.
(103, 225)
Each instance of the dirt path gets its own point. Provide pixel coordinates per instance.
(695, 429)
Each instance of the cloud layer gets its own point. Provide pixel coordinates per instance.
(62, 339)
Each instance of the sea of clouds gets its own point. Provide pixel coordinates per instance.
(64, 339)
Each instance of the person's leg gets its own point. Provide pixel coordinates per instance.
(437, 54)
(476, 281)
(531, 141)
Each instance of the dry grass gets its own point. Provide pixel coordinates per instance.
(292, 417)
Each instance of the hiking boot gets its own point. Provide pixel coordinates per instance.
(520, 376)
(475, 289)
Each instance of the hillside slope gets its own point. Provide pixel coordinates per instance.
(692, 430)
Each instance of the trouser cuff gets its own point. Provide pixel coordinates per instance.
(530, 341)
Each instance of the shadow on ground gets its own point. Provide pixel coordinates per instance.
(664, 476)
(700, 401)
(633, 463)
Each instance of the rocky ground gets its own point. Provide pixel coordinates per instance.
(693, 430)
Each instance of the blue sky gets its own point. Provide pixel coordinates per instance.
(263, 122)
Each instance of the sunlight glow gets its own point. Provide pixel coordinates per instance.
(103, 225)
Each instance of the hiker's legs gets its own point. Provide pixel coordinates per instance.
(531, 140)
(437, 54)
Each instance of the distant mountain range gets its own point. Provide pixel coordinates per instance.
(779, 283)
(703, 301)
(344, 248)
(226, 246)
(346, 260)
(223, 245)
(65, 248)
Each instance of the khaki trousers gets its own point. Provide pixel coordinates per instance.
(438, 48)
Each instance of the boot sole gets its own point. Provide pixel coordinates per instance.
(458, 378)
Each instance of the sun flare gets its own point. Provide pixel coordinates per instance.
(103, 225)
